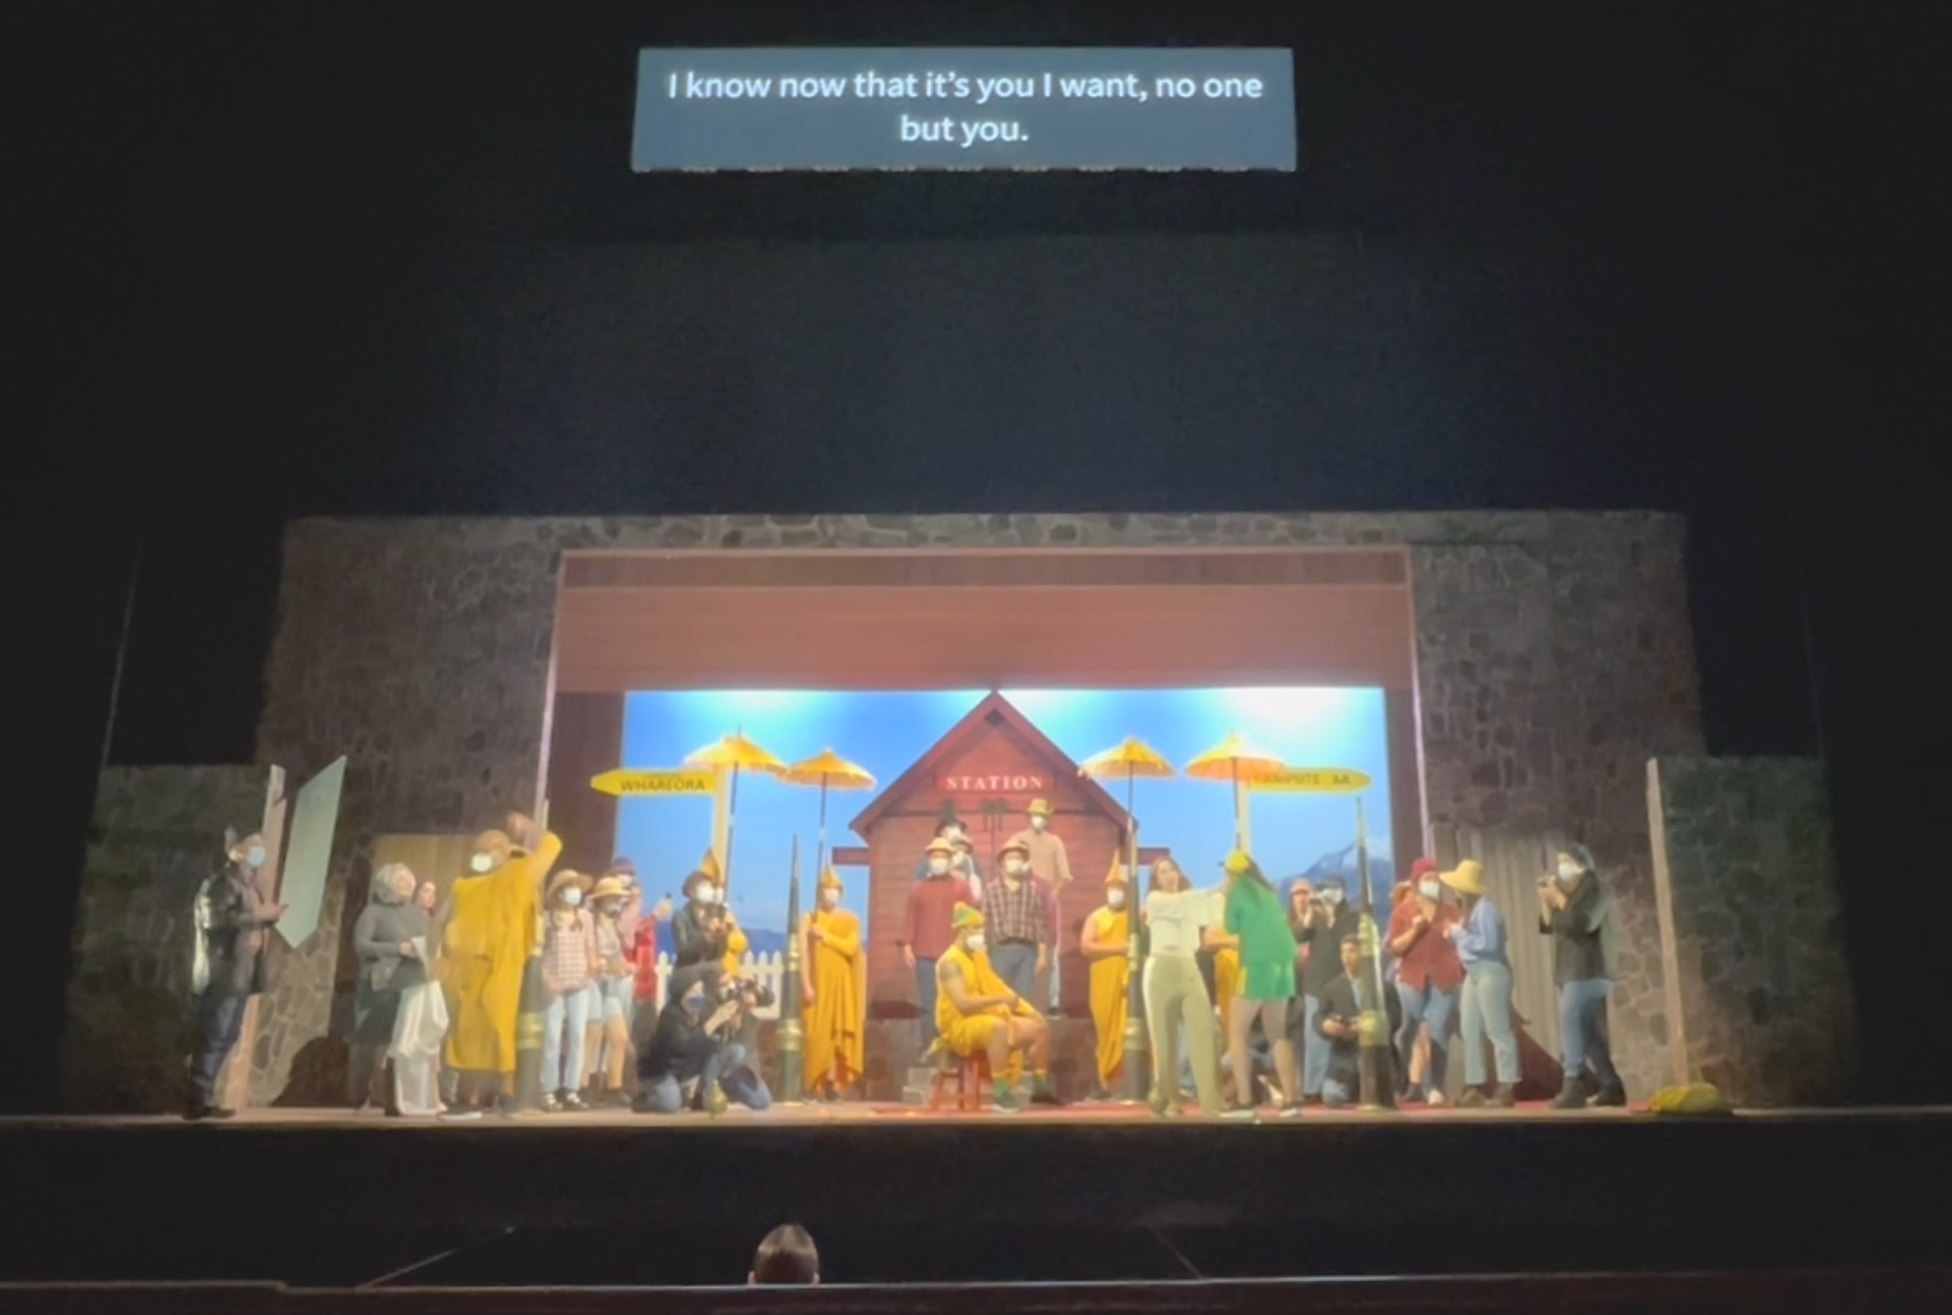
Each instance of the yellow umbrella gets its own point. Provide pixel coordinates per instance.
(737, 754)
(1128, 761)
(829, 771)
(1233, 759)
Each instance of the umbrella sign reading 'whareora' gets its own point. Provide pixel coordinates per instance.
(734, 754)
(626, 781)
(1312, 780)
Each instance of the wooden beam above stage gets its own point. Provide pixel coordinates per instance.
(849, 856)
(1045, 568)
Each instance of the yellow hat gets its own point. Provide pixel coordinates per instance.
(567, 878)
(709, 866)
(1040, 808)
(1014, 845)
(828, 880)
(1117, 877)
(1468, 879)
(1239, 863)
(965, 917)
(942, 847)
(608, 888)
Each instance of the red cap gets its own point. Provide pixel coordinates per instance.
(1423, 867)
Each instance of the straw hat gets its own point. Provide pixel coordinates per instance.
(965, 917)
(609, 888)
(829, 880)
(1014, 845)
(1040, 808)
(1468, 879)
(568, 878)
(942, 847)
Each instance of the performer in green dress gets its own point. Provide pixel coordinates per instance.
(1255, 914)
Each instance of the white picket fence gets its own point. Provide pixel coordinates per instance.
(767, 969)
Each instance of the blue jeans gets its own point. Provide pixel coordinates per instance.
(925, 1000)
(1315, 1049)
(728, 1069)
(1017, 965)
(1486, 1012)
(564, 1013)
(220, 1021)
(1428, 1008)
(1336, 1093)
(1582, 1032)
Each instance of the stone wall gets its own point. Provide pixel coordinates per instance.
(157, 833)
(1553, 649)
(1756, 932)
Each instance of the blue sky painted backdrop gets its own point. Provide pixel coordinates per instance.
(886, 733)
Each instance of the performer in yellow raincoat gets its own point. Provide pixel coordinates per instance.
(485, 948)
(975, 1012)
(1106, 938)
(837, 977)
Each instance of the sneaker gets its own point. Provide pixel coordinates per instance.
(1007, 1104)
(1437, 1100)
(1503, 1097)
(1240, 1114)
(1314, 1100)
(1161, 1107)
(551, 1104)
(1571, 1098)
(1289, 1111)
(1609, 1098)
(1471, 1099)
(574, 1103)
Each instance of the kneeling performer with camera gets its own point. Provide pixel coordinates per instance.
(694, 1060)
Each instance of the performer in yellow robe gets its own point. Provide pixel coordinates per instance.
(1104, 942)
(975, 1011)
(837, 977)
(485, 948)
(1225, 950)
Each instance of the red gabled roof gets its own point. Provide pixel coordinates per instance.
(921, 771)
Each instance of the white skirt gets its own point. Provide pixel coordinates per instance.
(417, 1035)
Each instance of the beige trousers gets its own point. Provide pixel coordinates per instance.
(1177, 1005)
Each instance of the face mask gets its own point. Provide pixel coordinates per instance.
(938, 866)
(1039, 822)
(829, 898)
(1115, 898)
(976, 942)
(572, 897)
(1014, 866)
(1568, 873)
(694, 1004)
(1429, 889)
(707, 894)
(1330, 897)
(255, 856)
(482, 863)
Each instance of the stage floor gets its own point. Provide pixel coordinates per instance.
(1088, 1193)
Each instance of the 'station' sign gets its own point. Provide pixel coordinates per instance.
(684, 781)
(1003, 783)
(1312, 780)
(995, 108)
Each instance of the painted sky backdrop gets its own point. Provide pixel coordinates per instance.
(886, 733)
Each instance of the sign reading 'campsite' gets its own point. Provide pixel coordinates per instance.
(1312, 780)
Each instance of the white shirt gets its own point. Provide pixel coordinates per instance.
(1174, 920)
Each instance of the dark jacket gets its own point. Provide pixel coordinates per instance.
(235, 920)
(680, 1045)
(694, 945)
(1582, 934)
(383, 971)
(1339, 1002)
(1324, 941)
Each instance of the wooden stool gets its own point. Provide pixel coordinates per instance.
(971, 1076)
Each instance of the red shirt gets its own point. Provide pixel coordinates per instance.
(1431, 958)
(643, 954)
(931, 903)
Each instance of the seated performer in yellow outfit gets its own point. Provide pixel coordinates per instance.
(975, 1011)
(1104, 942)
